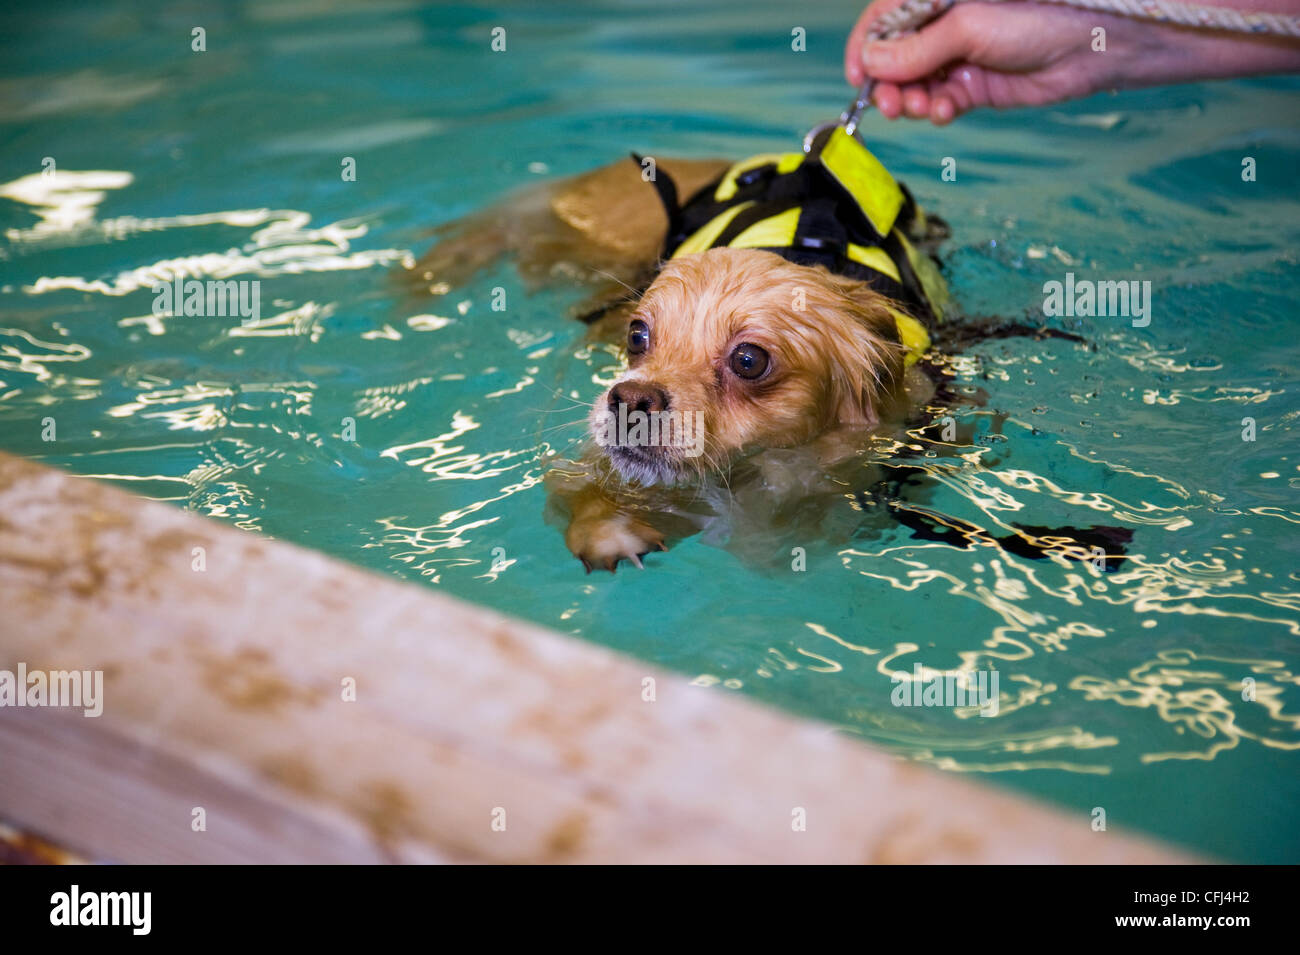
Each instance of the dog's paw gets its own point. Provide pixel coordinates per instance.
(605, 540)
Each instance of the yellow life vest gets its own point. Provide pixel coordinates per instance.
(841, 209)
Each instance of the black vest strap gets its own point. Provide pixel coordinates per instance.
(666, 190)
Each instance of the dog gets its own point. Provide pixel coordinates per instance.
(778, 317)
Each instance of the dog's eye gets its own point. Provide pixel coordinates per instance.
(749, 362)
(638, 337)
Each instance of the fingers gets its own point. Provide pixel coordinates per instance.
(942, 110)
(960, 91)
(938, 100)
(853, 70)
(912, 79)
(888, 99)
(918, 55)
(912, 100)
(916, 101)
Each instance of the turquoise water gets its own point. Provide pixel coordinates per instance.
(1121, 691)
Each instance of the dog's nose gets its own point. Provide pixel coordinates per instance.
(640, 396)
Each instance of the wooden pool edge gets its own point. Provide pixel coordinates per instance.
(265, 703)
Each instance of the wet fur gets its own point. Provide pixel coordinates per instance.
(783, 450)
(832, 362)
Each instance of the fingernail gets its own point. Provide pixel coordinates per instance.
(874, 52)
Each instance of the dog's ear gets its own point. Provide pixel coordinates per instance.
(866, 357)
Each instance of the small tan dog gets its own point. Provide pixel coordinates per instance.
(786, 307)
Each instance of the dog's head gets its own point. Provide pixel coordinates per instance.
(733, 349)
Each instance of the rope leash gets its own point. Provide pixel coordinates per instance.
(914, 14)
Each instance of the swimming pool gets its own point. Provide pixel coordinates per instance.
(1121, 691)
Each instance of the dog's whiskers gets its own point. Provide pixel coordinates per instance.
(556, 392)
(566, 424)
(636, 293)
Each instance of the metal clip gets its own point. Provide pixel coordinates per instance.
(849, 119)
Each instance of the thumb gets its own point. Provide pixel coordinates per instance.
(918, 55)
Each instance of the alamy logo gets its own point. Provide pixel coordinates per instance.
(1085, 298)
(656, 429)
(76, 688)
(75, 907)
(210, 299)
(947, 689)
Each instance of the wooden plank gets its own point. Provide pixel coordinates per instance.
(223, 689)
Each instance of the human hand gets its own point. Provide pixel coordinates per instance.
(1009, 54)
(1032, 54)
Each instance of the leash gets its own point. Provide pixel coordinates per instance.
(914, 14)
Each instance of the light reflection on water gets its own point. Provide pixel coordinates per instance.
(1122, 690)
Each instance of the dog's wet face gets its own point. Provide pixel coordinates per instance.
(735, 349)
